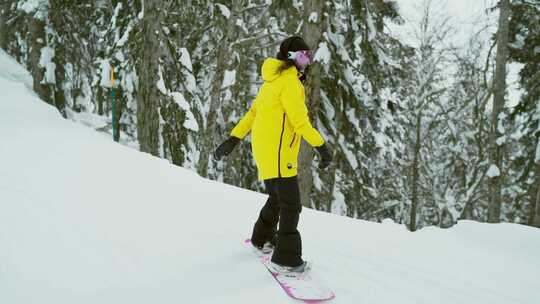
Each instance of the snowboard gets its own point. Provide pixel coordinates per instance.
(304, 287)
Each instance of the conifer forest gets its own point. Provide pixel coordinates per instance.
(423, 129)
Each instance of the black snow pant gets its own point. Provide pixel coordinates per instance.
(282, 206)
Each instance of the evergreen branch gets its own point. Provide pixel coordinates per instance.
(251, 8)
(258, 36)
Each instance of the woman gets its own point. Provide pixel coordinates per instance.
(278, 120)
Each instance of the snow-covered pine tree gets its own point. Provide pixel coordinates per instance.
(496, 127)
(353, 99)
(237, 37)
(5, 32)
(33, 16)
(14, 31)
(369, 134)
(466, 136)
(182, 113)
(313, 23)
(425, 105)
(166, 101)
(218, 39)
(525, 49)
(188, 70)
(114, 50)
(258, 36)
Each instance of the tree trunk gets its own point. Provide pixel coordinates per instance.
(415, 174)
(56, 14)
(467, 213)
(312, 35)
(148, 97)
(536, 222)
(3, 27)
(495, 153)
(117, 112)
(99, 99)
(36, 42)
(223, 59)
(60, 72)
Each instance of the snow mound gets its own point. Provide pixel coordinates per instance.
(86, 220)
(10, 70)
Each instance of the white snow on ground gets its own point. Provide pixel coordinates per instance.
(88, 119)
(86, 220)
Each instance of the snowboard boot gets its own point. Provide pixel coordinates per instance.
(267, 248)
(296, 271)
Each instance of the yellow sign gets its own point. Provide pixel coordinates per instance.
(112, 77)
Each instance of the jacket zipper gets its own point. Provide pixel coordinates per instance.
(280, 142)
(293, 138)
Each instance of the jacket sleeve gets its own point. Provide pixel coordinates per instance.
(243, 127)
(293, 101)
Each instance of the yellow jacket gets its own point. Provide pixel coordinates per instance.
(278, 120)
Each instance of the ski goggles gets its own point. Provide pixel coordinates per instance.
(302, 58)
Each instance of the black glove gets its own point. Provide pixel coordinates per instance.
(226, 147)
(325, 155)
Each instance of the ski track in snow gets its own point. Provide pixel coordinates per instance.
(86, 220)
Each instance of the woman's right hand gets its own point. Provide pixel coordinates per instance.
(325, 155)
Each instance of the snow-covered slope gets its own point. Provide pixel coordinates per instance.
(85, 220)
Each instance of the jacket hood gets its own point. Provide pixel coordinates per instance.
(270, 69)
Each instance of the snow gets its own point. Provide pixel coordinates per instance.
(91, 120)
(229, 78)
(224, 10)
(313, 17)
(323, 54)
(372, 30)
(10, 70)
(537, 157)
(501, 140)
(87, 220)
(45, 61)
(185, 59)
(120, 56)
(125, 36)
(116, 13)
(105, 80)
(351, 157)
(37, 7)
(191, 122)
(500, 123)
(514, 88)
(297, 4)
(140, 15)
(29, 6)
(493, 171)
(338, 205)
(160, 82)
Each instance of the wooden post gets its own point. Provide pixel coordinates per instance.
(116, 133)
